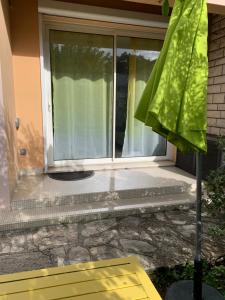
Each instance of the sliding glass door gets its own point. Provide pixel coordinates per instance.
(97, 81)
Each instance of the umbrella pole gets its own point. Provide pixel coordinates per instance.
(197, 288)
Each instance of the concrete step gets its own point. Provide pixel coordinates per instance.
(89, 211)
(33, 192)
(55, 200)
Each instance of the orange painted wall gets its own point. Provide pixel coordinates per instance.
(27, 82)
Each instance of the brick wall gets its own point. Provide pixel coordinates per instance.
(216, 83)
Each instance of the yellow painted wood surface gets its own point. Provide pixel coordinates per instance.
(116, 279)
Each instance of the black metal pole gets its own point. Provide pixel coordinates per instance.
(197, 291)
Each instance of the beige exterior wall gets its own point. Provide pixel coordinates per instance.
(27, 83)
(216, 88)
(8, 164)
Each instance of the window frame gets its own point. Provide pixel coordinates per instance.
(47, 23)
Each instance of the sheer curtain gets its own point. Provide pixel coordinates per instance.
(140, 140)
(82, 88)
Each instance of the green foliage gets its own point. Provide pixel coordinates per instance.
(217, 230)
(213, 275)
(215, 188)
(165, 8)
(214, 198)
(221, 143)
(164, 277)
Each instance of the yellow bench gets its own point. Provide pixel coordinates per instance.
(116, 279)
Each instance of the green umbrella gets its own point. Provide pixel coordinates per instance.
(174, 105)
(174, 100)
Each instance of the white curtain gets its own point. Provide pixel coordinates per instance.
(139, 140)
(82, 85)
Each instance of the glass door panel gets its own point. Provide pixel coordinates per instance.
(82, 95)
(135, 60)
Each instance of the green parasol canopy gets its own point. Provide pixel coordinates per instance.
(174, 100)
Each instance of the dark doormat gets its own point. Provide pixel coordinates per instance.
(71, 176)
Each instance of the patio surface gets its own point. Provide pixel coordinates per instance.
(157, 239)
(145, 212)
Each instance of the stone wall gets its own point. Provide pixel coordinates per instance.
(216, 83)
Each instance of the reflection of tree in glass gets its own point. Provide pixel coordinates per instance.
(143, 65)
(81, 62)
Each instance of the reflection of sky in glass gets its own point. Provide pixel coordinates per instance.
(147, 54)
(59, 47)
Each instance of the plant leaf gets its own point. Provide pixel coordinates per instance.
(165, 8)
